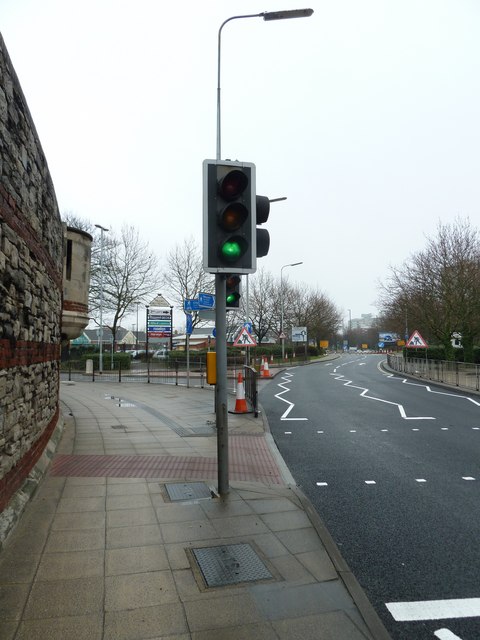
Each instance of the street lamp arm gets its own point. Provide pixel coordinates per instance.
(267, 16)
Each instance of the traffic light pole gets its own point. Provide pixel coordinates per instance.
(221, 386)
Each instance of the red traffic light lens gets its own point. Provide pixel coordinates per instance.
(232, 282)
(232, 185)
(233, 217)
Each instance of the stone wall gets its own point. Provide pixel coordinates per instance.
(31, 263)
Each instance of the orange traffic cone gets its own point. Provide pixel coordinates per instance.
(262, 366)
(240, 402)
(266, 370)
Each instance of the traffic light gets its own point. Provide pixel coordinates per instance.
(233, 282)
(263, 237)
(229, 238)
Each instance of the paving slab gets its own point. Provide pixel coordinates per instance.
(102, 552)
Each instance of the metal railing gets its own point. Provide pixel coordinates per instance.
(457, 374)
(251, 387)
(169, 371)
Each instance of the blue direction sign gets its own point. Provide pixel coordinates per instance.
(190, 305)
(206, 301)
(189, 327)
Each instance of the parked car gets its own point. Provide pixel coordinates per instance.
(160, 354)
(135, 353)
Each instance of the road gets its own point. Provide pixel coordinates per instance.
(393, 468)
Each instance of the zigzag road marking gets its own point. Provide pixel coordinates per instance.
(286, 377)
(428, 388)
(349, 383)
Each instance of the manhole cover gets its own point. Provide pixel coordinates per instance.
(187, 491)
(230, 564)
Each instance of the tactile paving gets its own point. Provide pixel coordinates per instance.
(230, 564)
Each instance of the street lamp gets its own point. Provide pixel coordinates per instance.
(100, 335)
(282, 335)
(220, 283)
(267, 16)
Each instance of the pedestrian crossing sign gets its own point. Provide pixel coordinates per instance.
(416, 341)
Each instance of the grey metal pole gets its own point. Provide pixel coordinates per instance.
(100, 334)
(221, 386)
(293, 264)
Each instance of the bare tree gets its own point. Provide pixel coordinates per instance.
(439, 287)
(263, 304)
(184, 276)
(130, 275)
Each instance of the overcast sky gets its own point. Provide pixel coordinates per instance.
(366, 116)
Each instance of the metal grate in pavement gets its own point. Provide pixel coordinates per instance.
(230, 564)
(178, 491)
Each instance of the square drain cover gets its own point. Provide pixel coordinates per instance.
(187, 491)
(230, 564)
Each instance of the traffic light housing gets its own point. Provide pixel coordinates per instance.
(262, 235)
(229, 217)
(233, 295)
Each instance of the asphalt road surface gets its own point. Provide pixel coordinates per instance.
(392, 466)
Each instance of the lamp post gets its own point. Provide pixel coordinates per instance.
(282, 336)
(349, 326)
(100, 334)
(220, 281)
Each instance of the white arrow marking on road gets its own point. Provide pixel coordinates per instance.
(445, 634)
(348, 383)
(434, 609)
(286, 377)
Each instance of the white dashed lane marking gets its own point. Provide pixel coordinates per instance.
(419, 480)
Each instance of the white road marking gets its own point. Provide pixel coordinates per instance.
(445, 634)
(444, 428)
(370, 482)
(384, 429)
(287, 433)
(420, 480)
(428, 388)
(319, 431)
(348, 383)
(322, 484)
(286, 377)
(434, 609)
(467, 478)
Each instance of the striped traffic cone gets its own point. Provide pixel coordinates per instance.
(266, 370)
(240, 402)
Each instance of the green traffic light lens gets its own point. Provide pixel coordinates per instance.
(231, 298)
(233, 249)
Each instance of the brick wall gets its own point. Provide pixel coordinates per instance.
(31, 263)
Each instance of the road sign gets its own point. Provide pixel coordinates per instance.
(190, 305)
(245, 339)
(189, 324)
(206, 301)
(299, 334)
(416, 341)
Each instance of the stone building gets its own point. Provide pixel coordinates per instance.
(34, 255)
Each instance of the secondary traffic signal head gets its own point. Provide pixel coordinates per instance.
(233, 282)
(229, 239)
(263, 237)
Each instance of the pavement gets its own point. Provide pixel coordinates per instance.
(126, 539)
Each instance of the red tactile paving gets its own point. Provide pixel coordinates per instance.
(249, 459)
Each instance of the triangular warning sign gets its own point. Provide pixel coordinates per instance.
(416, 340)
(245, 339)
